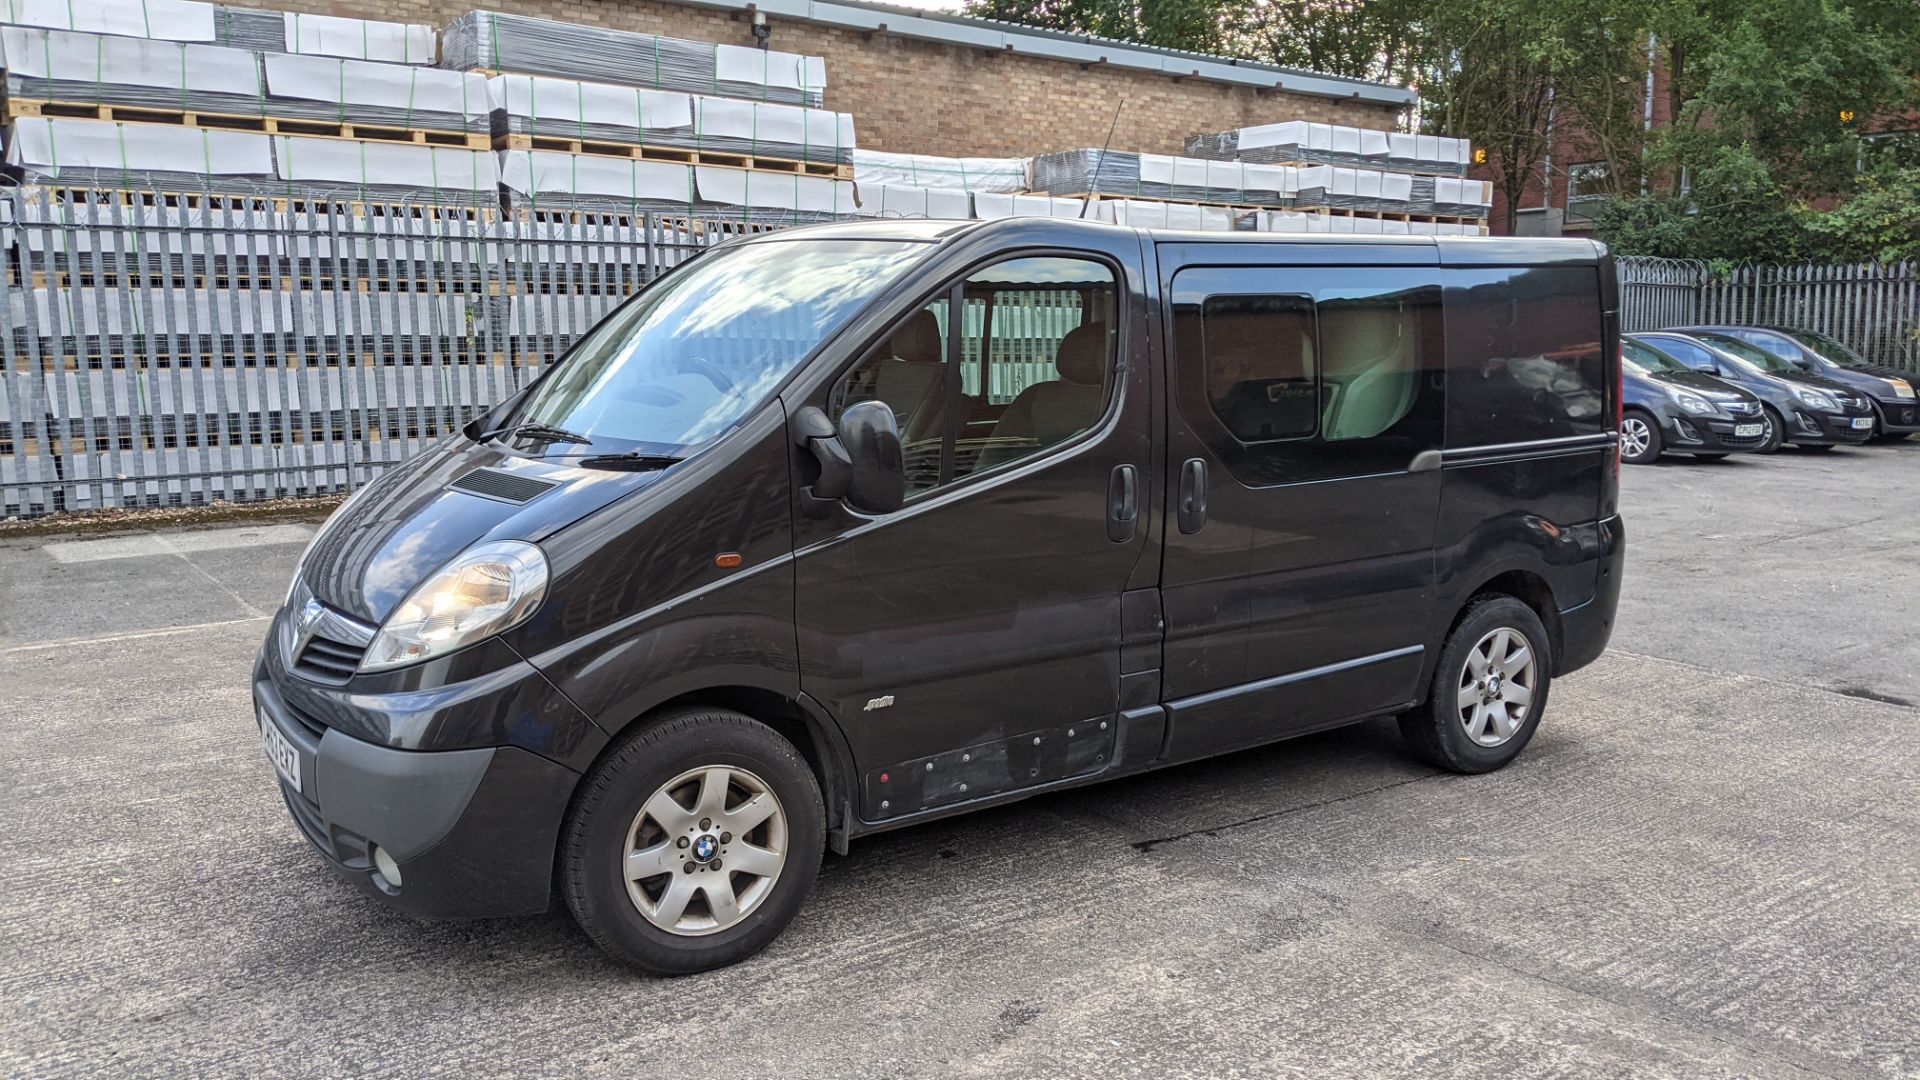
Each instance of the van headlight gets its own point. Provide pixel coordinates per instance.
(1816, 399)
(485, 590)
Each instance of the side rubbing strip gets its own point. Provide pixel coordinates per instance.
(1536, 448)
(1292, 677)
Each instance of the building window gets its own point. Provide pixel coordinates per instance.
(1588, 188)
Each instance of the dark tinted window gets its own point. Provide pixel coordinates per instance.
(1523, 355)
(1310, 374)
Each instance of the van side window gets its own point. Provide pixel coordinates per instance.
(1523, 355)
(907, 371)
(1034, 368)
(1325, 373)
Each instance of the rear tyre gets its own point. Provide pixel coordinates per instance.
(1776, 431)
(1639, 437)
(1489, 689)
(693, 843)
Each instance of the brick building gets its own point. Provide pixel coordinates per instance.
(934, 83)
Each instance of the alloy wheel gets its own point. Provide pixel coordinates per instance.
(1496, 687)
(1635, 437)
(705, 850)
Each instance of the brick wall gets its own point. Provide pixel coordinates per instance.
(925, 97)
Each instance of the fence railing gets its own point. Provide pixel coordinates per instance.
(1874, 308)
(165, 349)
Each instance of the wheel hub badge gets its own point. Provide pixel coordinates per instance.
(705, 847)
(1493, 687)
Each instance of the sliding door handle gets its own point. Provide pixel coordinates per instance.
(1123, 503)
(1193, 495)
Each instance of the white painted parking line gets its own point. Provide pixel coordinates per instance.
(178, 543)
(164, 631)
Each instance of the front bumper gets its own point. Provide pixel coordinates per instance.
(1900, 416)
(1827, 429)
(1711, 434)
(473, 830)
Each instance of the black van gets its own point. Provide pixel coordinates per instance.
(844, 528)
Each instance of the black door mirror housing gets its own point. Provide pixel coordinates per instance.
(871, 436)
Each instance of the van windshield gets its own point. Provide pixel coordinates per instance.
(684, 361)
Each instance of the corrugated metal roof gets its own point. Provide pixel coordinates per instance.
(996, 35)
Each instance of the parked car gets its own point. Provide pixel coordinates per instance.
(1885, 388)
(843, 528)
(1671, 408)
(1810, 411)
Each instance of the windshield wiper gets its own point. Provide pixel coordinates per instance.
(541, 432)
(632, 459)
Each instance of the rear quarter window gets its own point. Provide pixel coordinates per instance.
(1523, 355)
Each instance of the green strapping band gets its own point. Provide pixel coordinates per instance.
(146, 20)
(580, 109)
(366, 49)
(656, 61)
(340, 105)
(296, 33)
(493, 32)
(413, 84)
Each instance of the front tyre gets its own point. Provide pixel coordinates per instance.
(693, 843)
(1639, 438)
(1488, 692)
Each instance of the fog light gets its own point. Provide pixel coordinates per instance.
(1808, 423)
(387, 867)
(1687, 431)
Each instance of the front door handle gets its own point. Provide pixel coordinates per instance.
(1193, 495)
(1123, 503)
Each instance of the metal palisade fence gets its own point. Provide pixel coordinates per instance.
(1872, 307)
(166, 349)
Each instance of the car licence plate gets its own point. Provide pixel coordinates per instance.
(1748, 429)
(286, 760)
(1862, 422)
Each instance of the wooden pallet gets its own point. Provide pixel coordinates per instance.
(263, 125)
(1387, 215)
(75, 198)
(1321, 211)
(673, 154)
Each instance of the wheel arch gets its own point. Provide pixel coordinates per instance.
(1525, 586)
(798, 720)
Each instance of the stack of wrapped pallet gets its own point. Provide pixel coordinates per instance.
(588, 118)
(930, 186)
(1348, 172)
(136, 94)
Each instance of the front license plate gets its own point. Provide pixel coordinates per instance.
(1861, 423)
(1748, 429)
(286, 760)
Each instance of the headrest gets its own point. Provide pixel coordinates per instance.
(917, 339)
(1082, 356)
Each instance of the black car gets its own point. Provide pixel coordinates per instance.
(1810, 411)
(844, 528)
(1671, 408)
(1888, 389)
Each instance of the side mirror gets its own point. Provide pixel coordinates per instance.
(860, 463)
(871, 436)
(1711, 369)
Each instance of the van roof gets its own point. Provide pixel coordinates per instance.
(1452, 250)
